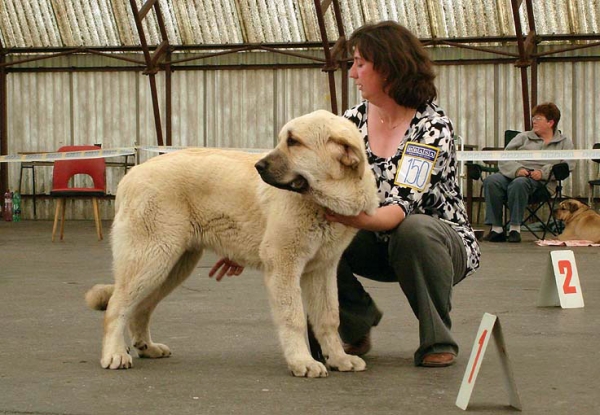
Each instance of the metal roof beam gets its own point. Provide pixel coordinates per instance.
(146, 8)
(590, 37)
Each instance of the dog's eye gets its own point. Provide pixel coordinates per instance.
(291, 141)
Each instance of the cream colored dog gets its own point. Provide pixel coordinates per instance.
(262, 211)
(581, 222)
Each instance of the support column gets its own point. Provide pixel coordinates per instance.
(3, 121)
(168, 98)
(331, 65)
(526, 47)
(152, 60)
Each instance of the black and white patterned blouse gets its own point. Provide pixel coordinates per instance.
(421, 177)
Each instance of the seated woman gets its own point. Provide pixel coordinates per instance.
(518, 180)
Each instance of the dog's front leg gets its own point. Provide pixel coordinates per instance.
(285, 298)
(319, 288)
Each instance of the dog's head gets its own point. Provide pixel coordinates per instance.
(321, 154)
(568, 208)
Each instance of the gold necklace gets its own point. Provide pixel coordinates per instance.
(390, 127)
(408, 119)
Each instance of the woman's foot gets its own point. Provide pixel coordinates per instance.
(514, 236)
(438, 360)
(363, 345)
(359, 347)
(495, 237)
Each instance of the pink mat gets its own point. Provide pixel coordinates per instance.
(556, 242)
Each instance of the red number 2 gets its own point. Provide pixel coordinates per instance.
(564, 267)
(481, 341)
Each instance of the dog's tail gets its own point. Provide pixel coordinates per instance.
(97, 297)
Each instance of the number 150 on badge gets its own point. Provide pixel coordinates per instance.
(416, 166)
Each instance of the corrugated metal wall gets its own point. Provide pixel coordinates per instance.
(246, 108)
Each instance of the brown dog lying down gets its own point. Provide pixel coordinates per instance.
(581, 221)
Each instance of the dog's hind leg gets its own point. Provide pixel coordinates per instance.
(139, 323)
(136, 278)
(319, 288)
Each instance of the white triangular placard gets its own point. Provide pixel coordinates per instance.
(560, 284)
(489, 327)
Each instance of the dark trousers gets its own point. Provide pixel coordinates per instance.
(515, 193)
(426, 257)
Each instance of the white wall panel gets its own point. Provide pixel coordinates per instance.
(247, 108)
(105, 112)
(509, 102)
(470, 105)
(39, 119)
(104, 108)
(300, 91)
(239, 109)
(39, 111)
(188, 113)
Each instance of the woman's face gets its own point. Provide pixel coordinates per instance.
(541, 125)
(367, 79)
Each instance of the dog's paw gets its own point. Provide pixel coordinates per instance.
(117, 361)
(152, 350)
(347, 363)
(308, 368)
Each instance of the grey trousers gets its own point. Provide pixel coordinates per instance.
(499, 190)
(426, 257)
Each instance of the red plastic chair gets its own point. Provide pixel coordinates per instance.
(63, 171)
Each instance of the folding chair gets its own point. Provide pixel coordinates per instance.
(478, 172)
(543, 197)
(594, 182)
(509, 135)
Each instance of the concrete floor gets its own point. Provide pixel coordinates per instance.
(226, 358)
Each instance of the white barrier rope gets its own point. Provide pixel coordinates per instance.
(170, 149)
(68, 155)
(105, 153)
(496, 155)
(162, 149)
(499, 155)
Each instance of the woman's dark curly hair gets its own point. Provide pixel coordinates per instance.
(400, 58)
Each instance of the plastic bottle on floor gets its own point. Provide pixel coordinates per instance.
(16, 205)
(8, 210)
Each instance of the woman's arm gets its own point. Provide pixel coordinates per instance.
(384, 219)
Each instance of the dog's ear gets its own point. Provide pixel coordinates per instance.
(348, 154)
(573, 205)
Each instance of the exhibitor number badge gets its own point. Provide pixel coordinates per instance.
(416, 166)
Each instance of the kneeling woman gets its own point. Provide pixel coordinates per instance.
(420, 236)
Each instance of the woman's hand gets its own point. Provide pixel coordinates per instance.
(225, 266)
(536, 175)
(359, 221)
(385, 218)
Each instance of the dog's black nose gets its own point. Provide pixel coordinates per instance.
(261, 165)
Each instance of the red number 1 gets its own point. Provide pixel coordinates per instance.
(481, 341)
(564, 267)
